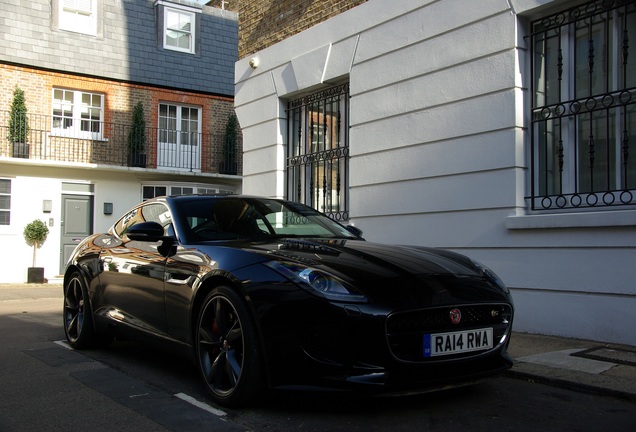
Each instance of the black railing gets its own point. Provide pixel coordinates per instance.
(86, 141)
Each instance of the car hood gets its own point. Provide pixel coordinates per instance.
(415, 274)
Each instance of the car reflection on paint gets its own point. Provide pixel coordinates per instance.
(264, 293)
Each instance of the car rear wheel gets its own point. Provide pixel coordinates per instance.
(78, 321)
(227, 348)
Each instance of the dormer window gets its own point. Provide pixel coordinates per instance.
(79, 16)
(179, 26)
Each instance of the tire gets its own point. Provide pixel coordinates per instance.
(78, 319)
(227, 350)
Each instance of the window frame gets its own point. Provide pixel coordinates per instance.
(76, 19)
(178, 144)
(71, 114)
(168, 8)
(317, 170)
(7, 210)
(153, 190)
(177, 135)
(579, 129)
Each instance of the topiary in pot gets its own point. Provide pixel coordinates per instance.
(137, 138)
(229, 164)
(19, 125)
(35, 234)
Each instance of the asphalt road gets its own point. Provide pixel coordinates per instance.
(47, 387)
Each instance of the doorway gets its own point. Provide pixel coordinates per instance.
(76, 224)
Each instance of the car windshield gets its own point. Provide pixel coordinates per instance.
(231, 218)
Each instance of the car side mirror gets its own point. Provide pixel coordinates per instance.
(355, 231)
(153, 232)
(146, 231)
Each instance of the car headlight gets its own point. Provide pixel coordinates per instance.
(318, 282)
(491, 275)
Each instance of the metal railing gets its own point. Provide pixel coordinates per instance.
(318, 151)
(583, 107)
(86, 141)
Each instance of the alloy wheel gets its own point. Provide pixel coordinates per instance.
(221, 345)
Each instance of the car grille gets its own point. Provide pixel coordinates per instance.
(406, 330)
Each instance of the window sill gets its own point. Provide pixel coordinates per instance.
(619, 218)
(179, 50)
(54, 134)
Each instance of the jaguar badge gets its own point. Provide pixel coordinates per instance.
(455, 316)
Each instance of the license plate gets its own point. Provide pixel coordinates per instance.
(437, 344)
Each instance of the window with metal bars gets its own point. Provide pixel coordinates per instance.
(318, 151)
(583, 111)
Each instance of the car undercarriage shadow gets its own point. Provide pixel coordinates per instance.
(176, 373)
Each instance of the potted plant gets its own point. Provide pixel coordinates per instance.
(229, 163)
(19, 125)
(35, 234)
(137, 138)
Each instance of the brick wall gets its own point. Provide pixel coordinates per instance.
(265, 22)
(120, 98)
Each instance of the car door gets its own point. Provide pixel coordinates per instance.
(132, 280)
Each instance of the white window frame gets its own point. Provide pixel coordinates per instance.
(179, 146)
(177, 134)
(69, 117)
(8, 209)
(177, 189)
(191, 33)
(79, 16)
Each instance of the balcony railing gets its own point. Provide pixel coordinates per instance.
(87, 141)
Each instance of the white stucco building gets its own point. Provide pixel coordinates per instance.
(83, 67)
(502, 129)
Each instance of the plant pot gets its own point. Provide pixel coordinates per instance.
(35, 275)
(20, 150)
(137, 160)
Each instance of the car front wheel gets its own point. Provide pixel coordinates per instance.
(227, 349)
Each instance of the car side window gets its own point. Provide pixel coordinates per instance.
(155, 212)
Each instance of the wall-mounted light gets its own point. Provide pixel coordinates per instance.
(108, 208)
(47, 206)
(254, 62)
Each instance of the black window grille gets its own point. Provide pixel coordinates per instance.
(318, 151)
(583, 113)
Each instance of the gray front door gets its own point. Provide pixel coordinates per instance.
(77, 223)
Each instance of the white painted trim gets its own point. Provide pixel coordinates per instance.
(620, 218)
(174, 5)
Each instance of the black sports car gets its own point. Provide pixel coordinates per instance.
(265, 293)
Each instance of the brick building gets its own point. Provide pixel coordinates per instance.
(83, 67)
(265, 22)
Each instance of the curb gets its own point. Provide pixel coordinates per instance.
(569, 384)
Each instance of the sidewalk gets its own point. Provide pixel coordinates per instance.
(576, 364)
(570, 363)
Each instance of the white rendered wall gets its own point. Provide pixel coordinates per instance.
(30, 186)
(438, 148)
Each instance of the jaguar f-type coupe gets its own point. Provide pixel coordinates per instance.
(265, 293)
